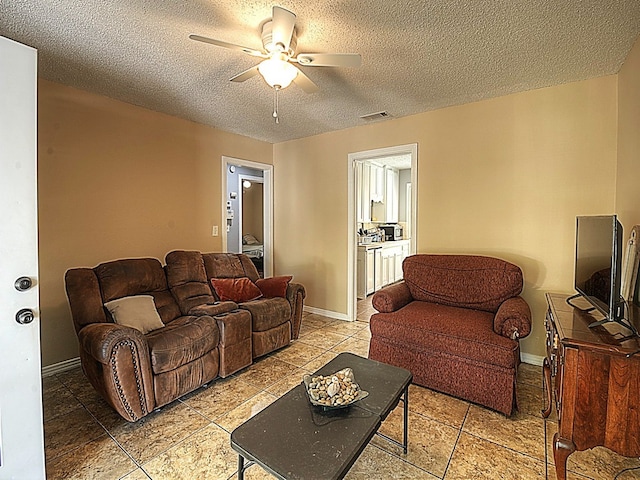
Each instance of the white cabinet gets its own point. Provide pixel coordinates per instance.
(376, 182)
(367, 271)
(391, 194)
(363, 196)
(378, 269)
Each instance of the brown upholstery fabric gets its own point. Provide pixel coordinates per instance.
(513, 319)
(268, 313)
(137, 276)
(467, 281)
(270, 340)
(440, 328)
(115, 360)
(187, 279)
(85, 299)
(229, 265)
(214, 309)
(181, 342)
(175, 383)
(133, 372)
(235, 344)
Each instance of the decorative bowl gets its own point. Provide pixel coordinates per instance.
(337, 390)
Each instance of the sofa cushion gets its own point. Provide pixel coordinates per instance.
(449, 330)
(187, 279)
(182, 341)
(274, 286)
(235, 289)
(137, 276)
(466, 281)
(229, 265)
(138, 312)
(267, 313)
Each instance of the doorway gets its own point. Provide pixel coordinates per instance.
(247, 211)
(364, 215)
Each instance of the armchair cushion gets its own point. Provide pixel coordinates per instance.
(235, 289)
(138, 311)
(466, 281)
(513, 319)
(274, 286)
(450, 331)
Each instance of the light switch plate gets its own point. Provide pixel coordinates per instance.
(214, 231)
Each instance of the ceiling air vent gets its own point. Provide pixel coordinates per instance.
(375, 116)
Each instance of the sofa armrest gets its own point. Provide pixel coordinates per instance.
(513, 318)
(213, 309)
(116, 361)
(295, 296)
(392, 298)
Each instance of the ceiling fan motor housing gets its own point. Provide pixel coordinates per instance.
(269, 46)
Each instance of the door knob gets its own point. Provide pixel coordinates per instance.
(23, 283)
(25, 316)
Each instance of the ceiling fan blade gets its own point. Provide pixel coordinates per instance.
(329, 59)
(283, 23)
(305, 83)
(232, 46)
(246, 75)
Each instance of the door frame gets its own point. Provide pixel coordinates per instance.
(267, 204)
(352, 257)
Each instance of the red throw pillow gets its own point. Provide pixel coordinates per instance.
(274, 286)
(237, 290)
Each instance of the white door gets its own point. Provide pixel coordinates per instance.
(21, 435)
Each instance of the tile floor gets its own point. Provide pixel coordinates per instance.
(189, 439)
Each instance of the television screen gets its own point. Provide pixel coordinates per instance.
(598, 262)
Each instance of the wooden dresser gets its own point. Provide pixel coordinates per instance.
(592, 379)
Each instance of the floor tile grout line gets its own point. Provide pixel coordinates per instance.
(453, 451)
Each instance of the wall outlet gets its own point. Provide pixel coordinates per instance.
(214, 231)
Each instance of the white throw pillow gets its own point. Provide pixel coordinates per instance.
(138, 312)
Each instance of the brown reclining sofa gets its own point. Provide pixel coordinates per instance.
(455, 322)
(187, 336)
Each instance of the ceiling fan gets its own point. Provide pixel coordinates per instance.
(279, 41)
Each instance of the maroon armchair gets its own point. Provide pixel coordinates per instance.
(455, 322)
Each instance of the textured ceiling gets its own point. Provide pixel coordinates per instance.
(418, 55)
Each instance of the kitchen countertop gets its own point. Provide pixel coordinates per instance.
(389, 243)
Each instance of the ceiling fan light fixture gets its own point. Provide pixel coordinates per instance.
(277, 73)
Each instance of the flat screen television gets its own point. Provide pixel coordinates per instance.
(598, 267)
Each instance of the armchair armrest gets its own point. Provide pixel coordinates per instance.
(513, 319)
(116, 361)
(213, 309)
(392, 298)
(295, 296)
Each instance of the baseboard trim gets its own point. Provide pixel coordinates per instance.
(326, 313)
(531, 359)
(60, 367)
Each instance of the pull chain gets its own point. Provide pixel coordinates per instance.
(275, 104)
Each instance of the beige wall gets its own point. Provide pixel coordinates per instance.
(114, 181)
(628, 178)
(502, 177)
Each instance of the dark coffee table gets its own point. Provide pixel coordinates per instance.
(292, 439)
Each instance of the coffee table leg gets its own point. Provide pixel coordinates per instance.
(406, 420)
(240, 467)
